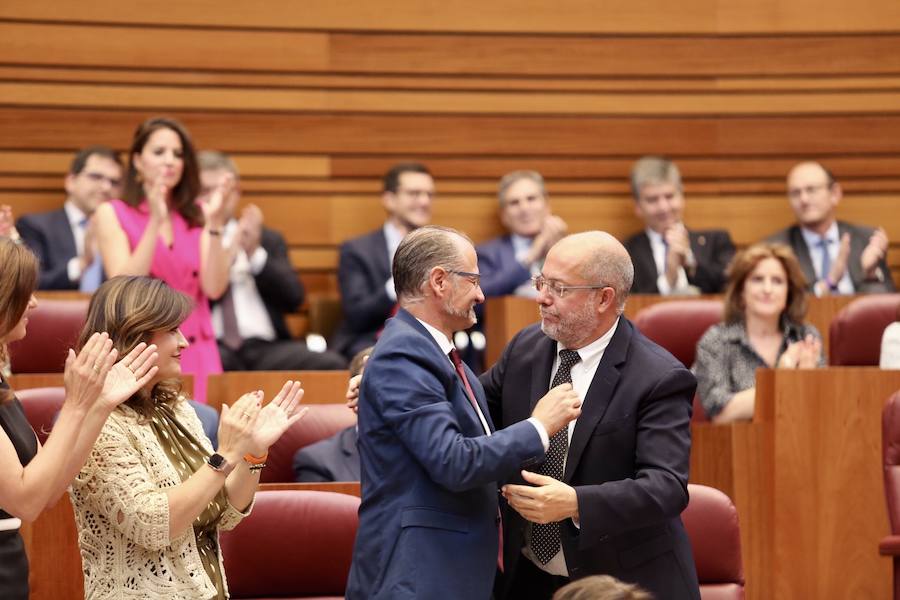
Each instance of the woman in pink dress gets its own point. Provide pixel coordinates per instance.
(159, 229)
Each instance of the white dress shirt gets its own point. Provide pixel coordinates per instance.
(521, 247)
(393, 237)
(658, 246)
(253, 319)
(76, 218)
(582, 375)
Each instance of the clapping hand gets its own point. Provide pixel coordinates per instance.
(129, 375)
(157, 199)
(276, 417)
(85, 373)
(7, 229)
(874, 251)
(217, 208)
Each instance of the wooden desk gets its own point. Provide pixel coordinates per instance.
(806, 477)
(507, 315)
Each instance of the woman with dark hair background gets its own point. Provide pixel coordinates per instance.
(765, 308)
(159, 229)
(33, 477)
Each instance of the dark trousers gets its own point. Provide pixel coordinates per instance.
(530, 583)
(278, 355)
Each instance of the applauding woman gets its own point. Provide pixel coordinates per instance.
(765, 308)
(159, 229)
(32, 477)
(153, 494)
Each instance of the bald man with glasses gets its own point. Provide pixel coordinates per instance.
(609, 496)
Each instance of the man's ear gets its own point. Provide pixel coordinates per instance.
(69, 183)
(437, 281)
(607, 300)
(387, 201)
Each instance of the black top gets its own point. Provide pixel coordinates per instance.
(19, 432)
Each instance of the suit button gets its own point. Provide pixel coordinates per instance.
(191, 339)
(194, 274)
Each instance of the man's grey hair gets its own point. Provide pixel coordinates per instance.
(422, 250)
(652, 170)
(509, 179)
(614, 269)
(213, 160)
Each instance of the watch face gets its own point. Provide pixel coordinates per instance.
(216, 461)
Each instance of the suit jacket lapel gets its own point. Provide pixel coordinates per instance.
(544, 355)
(599, 394)
(66, 240)
(643, 260)
(798, 244)
(857, 245)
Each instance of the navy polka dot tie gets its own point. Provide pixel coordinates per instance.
(545, 537)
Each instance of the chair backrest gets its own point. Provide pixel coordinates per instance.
(712, 525)
(322, 421)
(890, 451)
(295, 544)
(53, 328)
(678, 325)
(41, 407)
(854, 337)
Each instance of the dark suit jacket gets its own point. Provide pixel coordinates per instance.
(50, 237)
(501, 273)
(332, 459)
(363, 270)
(713, 250)
(628, 459)
(428, 516)
(859, 239)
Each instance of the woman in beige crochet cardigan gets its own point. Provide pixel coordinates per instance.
(153, 494)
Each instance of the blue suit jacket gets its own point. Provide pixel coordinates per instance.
(332, 459)
(363, 270)
(49, 236)
(428, 517)
(501, 273)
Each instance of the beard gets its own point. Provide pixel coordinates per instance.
(569, 328)
(460, 312)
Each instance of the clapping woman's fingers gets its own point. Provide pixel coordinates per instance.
(141, 359)
(296, 417)
(294, 398)
(282, 394)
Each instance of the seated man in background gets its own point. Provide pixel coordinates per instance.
(249, 317)
(63, 239)
(668, 258)
(836, 257)
(364, 269)
(335, 458)
(507, 263)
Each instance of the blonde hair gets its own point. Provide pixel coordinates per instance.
(18, 280)
(601, 587)
(131, 309)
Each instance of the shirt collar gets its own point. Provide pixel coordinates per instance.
(655, 237)
(75, 215)
(812, 239)
(520, 242)
(442, 340)
(593, 352)
(393, 237)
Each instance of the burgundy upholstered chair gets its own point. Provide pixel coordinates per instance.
(677, 326)
(322, 421)
(712, 525)
(855, 332)
(53, 328)
(294, 544)
(890, 451)
(41, 407)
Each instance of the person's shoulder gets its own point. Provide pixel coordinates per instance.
(364, 241)
(783, 236)
(855, 229)
(715, 235)
(492, 244)
(40, 219)
(635, 239)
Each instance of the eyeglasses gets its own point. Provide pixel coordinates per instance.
(100, 178)
(559, 290)
(809, 190)
(473, 278)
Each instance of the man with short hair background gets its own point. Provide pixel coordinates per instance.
(64, 239)
(508, 262)
(364, 267)
(836, 257)
(670, 259)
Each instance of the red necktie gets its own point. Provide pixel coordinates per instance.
(460, 370)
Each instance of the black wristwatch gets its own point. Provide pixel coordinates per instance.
(218, 463)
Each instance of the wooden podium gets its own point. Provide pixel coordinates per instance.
(806, 477)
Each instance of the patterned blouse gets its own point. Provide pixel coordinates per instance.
(726, 362)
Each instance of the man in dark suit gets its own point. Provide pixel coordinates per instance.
(668, 258)
(836, 257)
(249, 318)
(335, 458)
(428, 520)
(364, 268)
(609, 497)
(508, 262)
(63, 239)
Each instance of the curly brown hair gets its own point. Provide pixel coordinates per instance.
(131, 309)
(743, 264)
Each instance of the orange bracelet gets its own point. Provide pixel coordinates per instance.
(256, 460)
